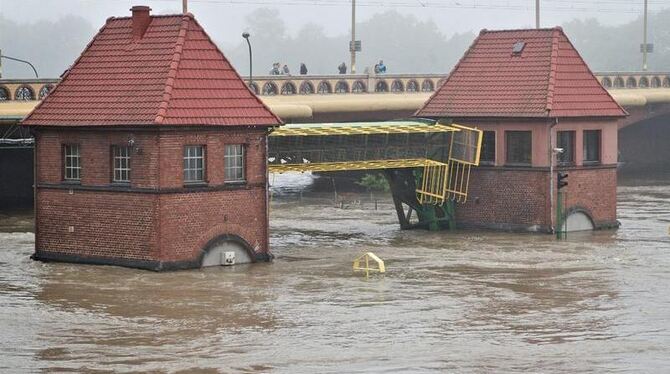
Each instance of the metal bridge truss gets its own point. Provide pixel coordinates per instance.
(443, 154)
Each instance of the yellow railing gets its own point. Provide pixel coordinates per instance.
(441, 181)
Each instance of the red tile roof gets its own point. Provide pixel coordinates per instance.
(173, 75)
(547, 79)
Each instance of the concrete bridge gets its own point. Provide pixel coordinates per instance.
(349, 98)
(356, 97)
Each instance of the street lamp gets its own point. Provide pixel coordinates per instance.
(17, 60)
(246, 36)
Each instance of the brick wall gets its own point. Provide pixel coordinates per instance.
(106, 224)
(517, 199)
(508, 199)
(156, 221)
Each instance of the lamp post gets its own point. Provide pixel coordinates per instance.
(246, 36)
(19, 60)
(644, 39)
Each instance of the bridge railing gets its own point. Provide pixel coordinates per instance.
(288, 85)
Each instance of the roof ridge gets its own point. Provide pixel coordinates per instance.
(526, 29)
(113, 18)
(172, 73)
(453, 69)
(552, 70)
(253, 94)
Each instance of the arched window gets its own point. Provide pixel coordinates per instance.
(269, 89)
(606, 82)
(631, 82)
(618, 82)
(412, 86)
(44, 91)
(24, 93)
(644, 82)
(4, 94)
(254, 88)
(306, 88)
(397, 86)
(666, 82)
(381, 86)
(341, 87)
(358, 87)
(427, 86)
(655, 82)
(324, 88)
(288, 88)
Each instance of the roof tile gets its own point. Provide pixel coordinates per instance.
(547, 79)
(173, 75)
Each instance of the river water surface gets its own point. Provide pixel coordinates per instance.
(449, 302)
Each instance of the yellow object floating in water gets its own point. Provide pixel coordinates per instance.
(369, 262)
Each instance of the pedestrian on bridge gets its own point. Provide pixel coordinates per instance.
(342, 68)
(303, 69)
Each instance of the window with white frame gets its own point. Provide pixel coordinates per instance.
(194, 164)
(71, 162)
(234, 163)
(121, 167)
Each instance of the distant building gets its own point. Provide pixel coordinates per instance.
(151, 152)
(531, 92)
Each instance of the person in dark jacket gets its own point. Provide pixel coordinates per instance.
(342, 68)
(303, 69)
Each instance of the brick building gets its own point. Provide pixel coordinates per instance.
(151, 152)
(531, 92)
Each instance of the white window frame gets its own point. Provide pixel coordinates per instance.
(234, 163)
(194, 164)
(71, 162)
(120, 164)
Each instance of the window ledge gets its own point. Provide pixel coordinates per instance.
(591, 163)
(195, 184)
(233, 183)
(518, 165)
(120, 184)
(72, 181)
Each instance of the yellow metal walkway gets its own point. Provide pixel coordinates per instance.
(445, 153)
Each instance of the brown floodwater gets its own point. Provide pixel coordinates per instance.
(464, 301)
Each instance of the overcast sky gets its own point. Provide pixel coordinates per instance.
(225, 19)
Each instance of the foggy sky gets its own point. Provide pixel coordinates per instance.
(225, 19)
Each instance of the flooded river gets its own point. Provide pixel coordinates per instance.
(449, 302)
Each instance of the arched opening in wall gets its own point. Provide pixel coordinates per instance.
(427, 86)
(606, 82)
(4, 94)
(618, 82)
(44, 91)
(631, 82)
(655, 82)
(288, 88)
(341, 87)
(306, 88)
(381, 86)
(412, 86)
(269, 89)
(324, 88)
(578, 221)
(397, 86)
(226, 250)
(666, 82)
(253, 87)
(24, 93)
(644, 82)
(358, 87)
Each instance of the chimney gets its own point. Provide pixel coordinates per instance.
(141, 20)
